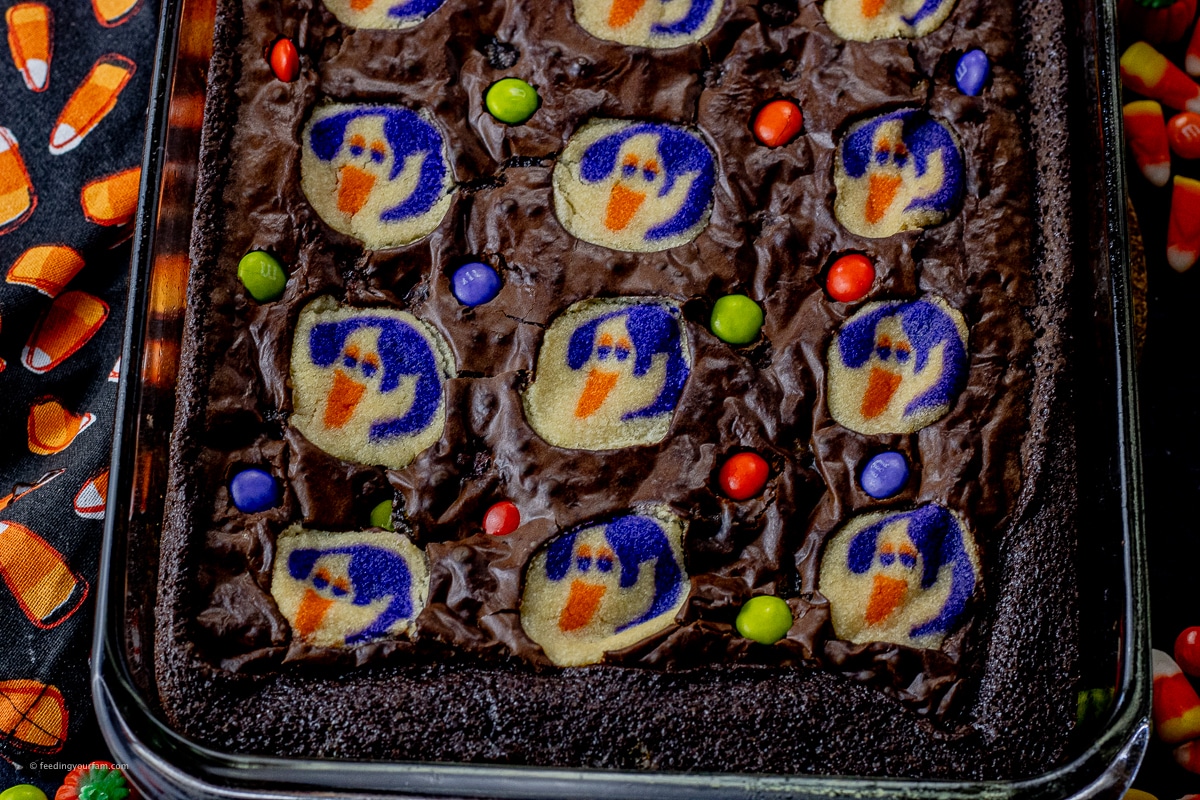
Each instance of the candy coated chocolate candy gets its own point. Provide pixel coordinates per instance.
(23, 791)
(885, 475)
(736, 319)
(512, 100)
(1183, 132)
(778, 123)
(765, 619)
(262, 275)
(850, 278)
(743, 476)
(475, 284)
(381, 516)
(501, 519)
(1187, 651)
(285, 60)
(254, 490)
(972, 72)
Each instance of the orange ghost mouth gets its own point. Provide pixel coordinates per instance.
(871, 8)
(360, 5)
(354, 187)
(581, 606)
(880, 387)
(311, 613)
(886, 596)
(623, 12)
(623, 203)
(881, 193)
(343, 398)
(597, 389)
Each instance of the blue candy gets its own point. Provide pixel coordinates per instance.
(885, 474)
(972, 72)
(475, 284)
(253, 490)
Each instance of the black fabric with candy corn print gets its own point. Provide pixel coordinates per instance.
(74, 80)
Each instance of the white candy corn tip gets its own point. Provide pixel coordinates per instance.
(36, 359)
(1158, 174)
(36, 71)
(1181, 260)
(63, 139)
(7, 140)
(1163, 665)
(1192, 64)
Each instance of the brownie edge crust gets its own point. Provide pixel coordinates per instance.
(995, 700)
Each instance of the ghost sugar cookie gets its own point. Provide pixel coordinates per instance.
(378, 173)
(382, 14)
(896, 172)
(610, 374)
(648, 23)
(895, 367)
(900, 577)
(634, 186)
(605, 586)
(867, 20)
(343, 589)
(368, 384)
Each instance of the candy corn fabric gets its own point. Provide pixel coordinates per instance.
(74, 81)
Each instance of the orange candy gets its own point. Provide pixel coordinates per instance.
(1183, 131)
(1188, 757)
(70, 322)
(111, 13)
(1176, 707)
(778, 123)
(743, 476)
(111, 200)
(1147, 71)
(31, 43)
(91, 102)
(1183, 229)
(285, 60)
(1146, 133)
(850, 278)
(501, 519)
(47, 268)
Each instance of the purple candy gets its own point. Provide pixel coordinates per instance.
(475, 284)
(253, 490)
(885, 475)
(972, 72)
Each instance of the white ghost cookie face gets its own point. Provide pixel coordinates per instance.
(634, 186)
(344, 589)
(378, 173)
(610, 374)
(896, 172)
(866, 20)
(368, 385)
(900, 577)
(382, 14)
(648, 23)
(605, 586)
(896, 367)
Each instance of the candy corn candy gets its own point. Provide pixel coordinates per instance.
(1147, 71)
(52, 428)
(111, 13)
(1188, 756)
(1192, 62)
(46, 589)
(20, 490)
(68, 324)
(1147, 134)
(47, 268)
(17, 198)
(91, 102)
(114, 374)
(33, 716)
(111, 200)
(92, 496)
(29, 39)
(1183, 230)
(1176, 707)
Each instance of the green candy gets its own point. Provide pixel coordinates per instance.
(23, 791)
(737, 319)
(262, 275)
(765, 619)
(512, 100)
(1155, 3)
(381, 516)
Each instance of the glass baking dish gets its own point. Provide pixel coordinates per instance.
(1107, 745)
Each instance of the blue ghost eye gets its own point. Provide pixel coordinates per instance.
(629, 170)
(622, 353)
(604, 564)
(320, 582)
(882, 157)
(603, 352)
(377, 156)
(649, 174)
(350, 361)
(584, 564)
(902, 355)
(884, 352)
(900, 160)
(356, 150)
(887, 559)
(908, 560)
(368, 369)
(339, 591)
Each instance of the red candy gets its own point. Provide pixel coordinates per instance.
(501, 519)
(285, 60)
(1187, 651)
(850, 278)
(778, 122)
(1183, 132)
(743, 476)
